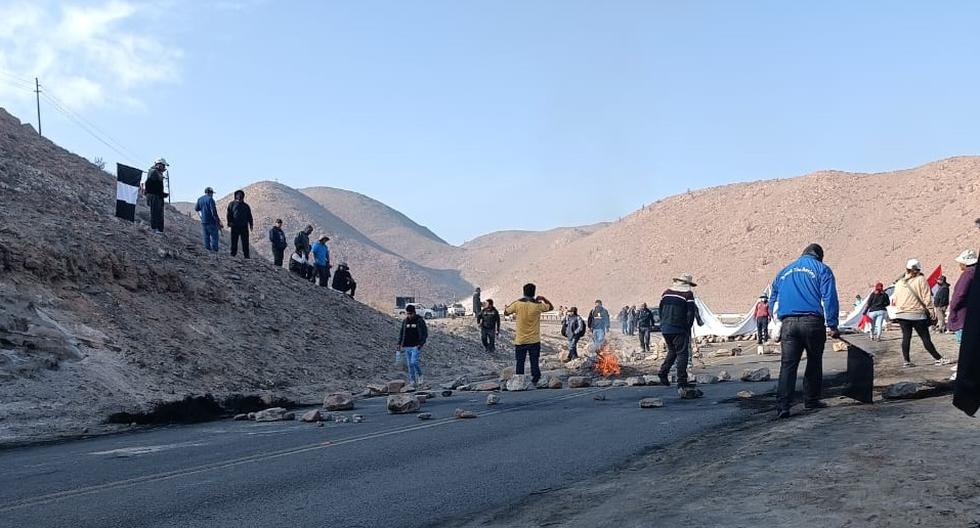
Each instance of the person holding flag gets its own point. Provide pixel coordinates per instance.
(876, 310)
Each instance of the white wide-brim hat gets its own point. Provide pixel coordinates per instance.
(967, 257)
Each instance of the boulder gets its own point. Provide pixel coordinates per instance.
(840, 346)
(493, 398)
(463, 414)
(421, 398)
(706, 379)
(604, 383)
(736, 351)
(634, 381)
(651, 379)
(724, 376)
(578, 382)
(341, 418)
(357, 418)
(651, 403)
(338, 401)
(241, 417)
(689, 393)
(519, 382)
(272, 414)
(506, 373)
(455, 384)
(312, 416)
(722, 352)
(599, 397)
(554, 382)
(758, 374)
(745, 394)
(425, 416)
(485, 386)
(903, 390)
(402, 404)
(395, 386)
(289, 416)
(619, 383)
(374, 390)
(446, 393)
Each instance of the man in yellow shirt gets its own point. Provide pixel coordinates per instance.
(527, 339)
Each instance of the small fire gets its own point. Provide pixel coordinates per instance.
(606, 363)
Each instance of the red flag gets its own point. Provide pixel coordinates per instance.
(934, 276)
(865, 323)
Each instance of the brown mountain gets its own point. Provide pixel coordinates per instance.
(736, 237)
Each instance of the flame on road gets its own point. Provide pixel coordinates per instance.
(606, 363)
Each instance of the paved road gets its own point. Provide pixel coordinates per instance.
(387, 471)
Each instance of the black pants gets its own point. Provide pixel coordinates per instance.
(277, 256)
(323, 273)
(489, 338)
(678, 350)
(533, 351)
(239, 233)
(644, 339)
(156, 211)
(921, 327)
(762, 329)
(799, 334)
(353, 288)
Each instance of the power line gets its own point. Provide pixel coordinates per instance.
(70, 115)
(93, 126)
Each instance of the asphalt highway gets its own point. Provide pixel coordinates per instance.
(387, 471)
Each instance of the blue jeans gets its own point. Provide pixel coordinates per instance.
(959, 337)
(211, 237)
(877, 322)
(412, 360)
(598, 335)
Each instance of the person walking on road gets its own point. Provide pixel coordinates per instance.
(632, 320)
(678, 313)
(527, 339)
(343, 281)
(762, 317)
(877, 311)
(411, 338)
(804, 295)
(940, 300)
(277, 238)
(599, 323)
(210, 220)
(489, 320)
(644, 324)
(477, 305)
(240, 221)
(624, 319)
(153, 189)
(915, 311)
(321, 260)
(958, 302)
(572, 328)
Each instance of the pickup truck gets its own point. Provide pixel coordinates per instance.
(426, 313)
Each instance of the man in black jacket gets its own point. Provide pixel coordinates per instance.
(644, 323)
(489, 320)
(678, 312)
(153, 189)
(412, 337)
(277, 238)
(302, 240)
(240, 221)
(940, 300)
(343, 281)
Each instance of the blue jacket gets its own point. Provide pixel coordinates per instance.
(209, 211)
(321, 253)
(807, 286)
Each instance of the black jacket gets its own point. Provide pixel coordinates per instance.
(239, 214)
(941, 298)
(644, 318)
(342, 279)
(277, 238)
(678, 312)
(489, 318)
(966, 391)
(302, 241)
(154, 182)
(413, 332)
(477, 305)
(877, 302)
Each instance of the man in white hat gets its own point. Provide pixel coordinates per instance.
(153, 189)
(678, 312)
(957, 302)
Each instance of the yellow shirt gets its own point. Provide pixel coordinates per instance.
(528, 320)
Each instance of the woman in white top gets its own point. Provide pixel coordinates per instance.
(914, 311)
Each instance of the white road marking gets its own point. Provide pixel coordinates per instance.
(144, 450)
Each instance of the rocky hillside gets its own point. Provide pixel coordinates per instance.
(736, 237)
(99, 315)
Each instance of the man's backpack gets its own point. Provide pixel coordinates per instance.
(564, 328)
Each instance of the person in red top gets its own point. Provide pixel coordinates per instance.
(762, 316)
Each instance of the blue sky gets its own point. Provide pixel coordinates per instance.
(477, 116)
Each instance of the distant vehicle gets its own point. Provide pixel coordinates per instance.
(426, 313)
(457, 310)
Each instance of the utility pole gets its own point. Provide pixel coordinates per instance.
(37, 93)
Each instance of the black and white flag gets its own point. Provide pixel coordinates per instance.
(127, 191)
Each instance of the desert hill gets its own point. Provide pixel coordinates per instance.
(99, 315)
(735, 238)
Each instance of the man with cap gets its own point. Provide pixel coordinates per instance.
(210, 221)
(762, 316)
(804, 299)
(153, 189)
(343, 281)
(321, 260)
(678, 312)
(240, 221)
(277, 239)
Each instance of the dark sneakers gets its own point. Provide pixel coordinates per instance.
(665, 381)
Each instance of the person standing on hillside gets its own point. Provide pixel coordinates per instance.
(527, 339)
(477, 305)
(644, 323)
(153, 189)
(599, 323)
(321, 260)
(343, 281)
(915, 311)
(877, 310)
(240, 221)
(297, 264)
(804, 296)
(489, 320)
(210, 220)
(958, 302)
(941, 302)
(678, 312)
(277, 238)
(302, 240)
(762, 317)
(573, 328)
(411, 338)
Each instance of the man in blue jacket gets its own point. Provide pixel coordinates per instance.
(210, 221)
(804, 295)
(321, 257)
